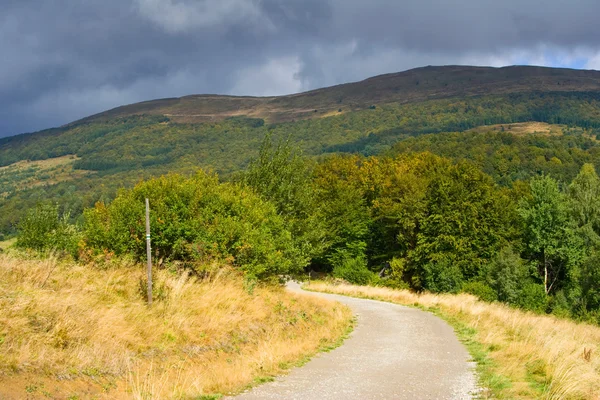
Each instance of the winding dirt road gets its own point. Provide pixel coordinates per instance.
(395, 352)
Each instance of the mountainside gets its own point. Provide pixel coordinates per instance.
(88, 160)
(415, 85)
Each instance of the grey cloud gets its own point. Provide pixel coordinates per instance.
(64, 60)
(477, 25)
(180, 16)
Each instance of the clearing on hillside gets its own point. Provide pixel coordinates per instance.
(523, 128)
(29, 174)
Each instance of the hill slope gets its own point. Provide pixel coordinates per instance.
(93, 157)
(415, 85)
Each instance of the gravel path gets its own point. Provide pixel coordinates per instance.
(395, 352)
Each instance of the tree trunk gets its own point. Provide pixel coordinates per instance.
(546, 275)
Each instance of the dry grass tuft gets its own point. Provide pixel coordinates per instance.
(541, 355)
(72, 331)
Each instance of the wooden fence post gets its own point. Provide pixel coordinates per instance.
(148, 252)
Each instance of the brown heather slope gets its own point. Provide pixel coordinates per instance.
(405, 87)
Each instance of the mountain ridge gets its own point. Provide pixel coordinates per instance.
(414, 85)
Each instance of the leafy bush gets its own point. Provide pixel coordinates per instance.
(442, 276)
(590, 316)
(353, 270)
(43, 228)
(394, 278)
(196, 219)
(507, 274)
(533, 298)
(560, 305)
(481, 290)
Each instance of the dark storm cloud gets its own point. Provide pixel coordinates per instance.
(62, 60)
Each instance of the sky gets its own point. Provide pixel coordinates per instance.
(62, 60)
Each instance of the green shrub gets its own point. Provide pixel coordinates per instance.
(559, 304)
(43, 228)
(353, 270)
(507, 274)
(533, 298)
(389, 283)
(589, 282)
(481, 290)
(196, 219)
(442, 276)
(592, 317)
(395, 275)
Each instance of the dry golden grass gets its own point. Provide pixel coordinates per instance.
(543, 356)
(72, 331)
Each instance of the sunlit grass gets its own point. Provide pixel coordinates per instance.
(68, 330)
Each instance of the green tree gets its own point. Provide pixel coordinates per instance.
(466, 222)
(584, 204)
(44, 228)
(550, 234)
(590, 286)
(344, 210)
(283, 177)
(584, 196)
(441, 221)
(508, 273)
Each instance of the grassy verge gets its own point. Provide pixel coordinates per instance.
(520, 355)
(5, 244)
(72, 332)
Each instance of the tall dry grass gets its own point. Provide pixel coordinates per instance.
(544, 357)
(72, 331)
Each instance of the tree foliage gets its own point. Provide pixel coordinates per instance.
(444, 220)
(44, 228)
(282, 176)
(346, 216)
(197, 219)
(550, 234)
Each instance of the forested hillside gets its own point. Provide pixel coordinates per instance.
(86, 161)
(508, 157)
